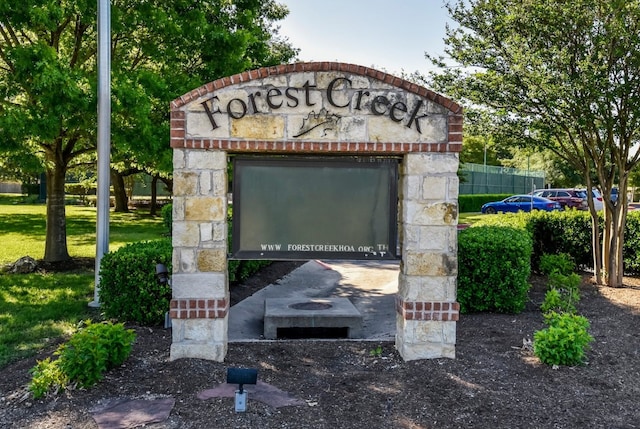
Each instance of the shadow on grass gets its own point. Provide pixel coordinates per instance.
(37, 309)
(27, 224)
(81, 227)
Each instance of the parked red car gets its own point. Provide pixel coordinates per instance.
(568, 198)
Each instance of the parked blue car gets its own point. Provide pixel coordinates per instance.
(523, 203)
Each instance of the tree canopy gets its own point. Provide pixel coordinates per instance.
(160, 49)
(563, 76)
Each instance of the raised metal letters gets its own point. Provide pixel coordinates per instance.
(276, 98)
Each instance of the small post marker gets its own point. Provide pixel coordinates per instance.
(241, 401)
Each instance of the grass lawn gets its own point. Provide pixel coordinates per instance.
(23, 229)
(37, 309)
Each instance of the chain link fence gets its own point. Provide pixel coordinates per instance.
(489, 179)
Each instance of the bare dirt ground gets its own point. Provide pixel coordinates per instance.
(494, 382)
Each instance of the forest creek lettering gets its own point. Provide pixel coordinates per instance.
(276, 98)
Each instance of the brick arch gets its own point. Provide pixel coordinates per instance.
(314, 67)
(180, 139)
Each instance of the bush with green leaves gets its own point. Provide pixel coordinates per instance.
(569, 284)
(167, 216)
(558, 263)
(93, 350)
(564, 342)
(566, 232)
(554, 301)
(570, 232)
(493, 269)
(89, 353)
(563, 293)
(556, 232)
(631, 248)
(519, 220)
(242, 270)
(47, 377)
(129, 290)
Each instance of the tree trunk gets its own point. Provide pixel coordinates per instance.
(595, 230)
(615, 223)
(119, 193)
(153, 211)
(597, 249)
(55, 249)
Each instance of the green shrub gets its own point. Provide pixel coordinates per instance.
(569, 284)
(566, 232)
(89, 352)
(563, 293)
(47, 376)
(556, 232)
(559, 263)
(242, 270)
(82, 188)
(493, 269)
(30, 188)
(519, 220)
(569, 232)
(167, 216)
(564, 342)
(554, 301)
(129, 290)
(631, 248)
(93, 350)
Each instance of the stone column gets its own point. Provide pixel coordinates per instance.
(200, 293)
(426, 305)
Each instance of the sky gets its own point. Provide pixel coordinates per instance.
(389, 35)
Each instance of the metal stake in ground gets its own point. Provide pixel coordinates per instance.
(241, 376)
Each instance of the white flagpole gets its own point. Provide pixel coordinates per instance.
(104, 139)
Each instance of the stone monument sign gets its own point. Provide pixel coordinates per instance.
(313, 111)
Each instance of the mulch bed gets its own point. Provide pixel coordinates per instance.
(495, 381)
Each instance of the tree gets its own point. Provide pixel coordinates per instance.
(479, 150)
(564, 76)
(558, 173)
(160, 49)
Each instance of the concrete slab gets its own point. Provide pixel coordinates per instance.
(311, 313)
(371, 287)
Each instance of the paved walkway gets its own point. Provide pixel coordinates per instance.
(371, 287)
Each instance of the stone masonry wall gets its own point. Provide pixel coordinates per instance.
(427, 310)
(308, 109)
(200, 304)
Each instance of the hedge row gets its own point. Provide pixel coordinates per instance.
(473, 203)
(494, 264)
(496, 255)
(569, 232)
(129, 290)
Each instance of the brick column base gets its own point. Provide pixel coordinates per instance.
(199, 328)
(426, 330)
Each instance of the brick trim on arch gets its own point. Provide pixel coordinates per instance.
(178, 117)
(316, 67)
